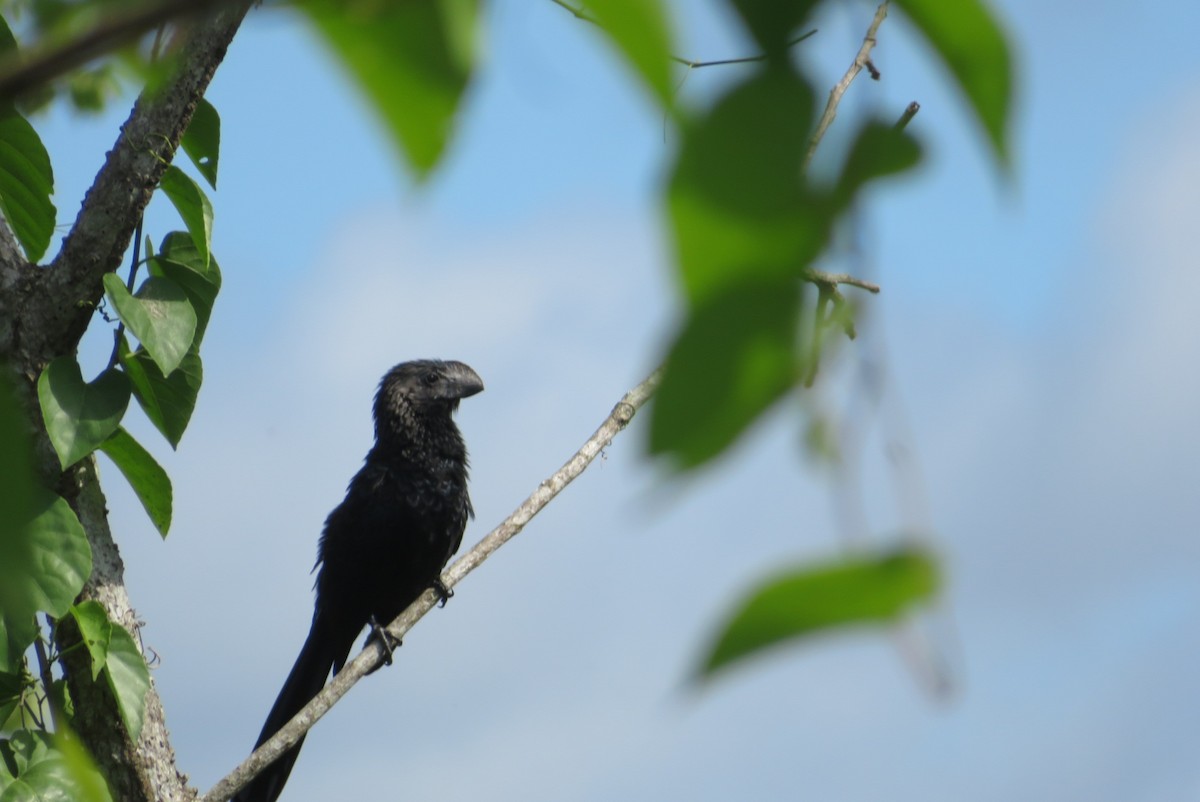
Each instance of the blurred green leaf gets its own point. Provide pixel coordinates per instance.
(55, 561)
(970, 42)
(40, 766)
(79, 416)
(147, 478)
(639, 30)
(79, 775)
(8, 42)
(12, 683)
(96, 631)
(179, 261)
(772, 22)
(26, 183)
(159, 315)
(738, 205)
(861, 589)
(733, 359)
(128, 678)
(202, 141)
(193, 206)
(879, 150)
(411, 59)
(168, 401)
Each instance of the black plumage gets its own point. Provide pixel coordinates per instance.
(387, 542)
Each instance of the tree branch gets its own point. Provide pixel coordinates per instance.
(23, 71)
(372, 655)
(835, 94)
(50, 309)
(147, 143)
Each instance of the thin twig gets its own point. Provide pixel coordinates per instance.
(835, 94)
(833, 280)
(372, 655)
(743, 60)
(580, 13)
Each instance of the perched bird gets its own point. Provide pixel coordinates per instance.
(388, 541)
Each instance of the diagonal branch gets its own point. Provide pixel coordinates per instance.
(114, 204)
(372, 655)
(835, 95)
(21, 72)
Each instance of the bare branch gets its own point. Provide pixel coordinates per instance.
(835, 94)
(372, 655)
(832, 280)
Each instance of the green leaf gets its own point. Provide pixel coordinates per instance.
(179, 261)
(8, 42)
(147, 478)
(879, 150)
(971, 44)
(639, 30)
(78, 416)
(79, 776)
(168, 401)
(12, 684)
(193, 206)
(738, 205)
(44, 567)
(128, 678)
(40, 766)
(772, 22)
(412, 60)
(202, 141)
(159, 315)
(863, 589)
(26, 183)
(96, 631)
(115, 654)
(733, 359)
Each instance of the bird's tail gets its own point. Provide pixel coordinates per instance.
(305, 681)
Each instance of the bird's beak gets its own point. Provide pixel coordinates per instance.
(461, 381)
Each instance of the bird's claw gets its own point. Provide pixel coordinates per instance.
(442, 590)
(386, 639)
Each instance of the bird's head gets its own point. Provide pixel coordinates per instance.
(422, 389)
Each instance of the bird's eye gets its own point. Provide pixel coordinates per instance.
(431, 378)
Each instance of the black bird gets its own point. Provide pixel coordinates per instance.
(387, 542)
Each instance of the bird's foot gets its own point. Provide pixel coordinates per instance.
(443, 592)
(388, 641)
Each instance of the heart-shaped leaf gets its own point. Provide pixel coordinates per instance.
(79, 416)
(159, 315)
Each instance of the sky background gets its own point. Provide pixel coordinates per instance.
(1039, 340)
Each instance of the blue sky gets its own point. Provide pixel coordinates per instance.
(1039, 338)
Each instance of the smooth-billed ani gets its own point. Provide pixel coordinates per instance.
(387, 542)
